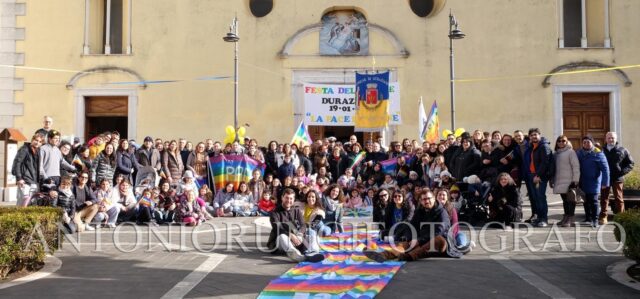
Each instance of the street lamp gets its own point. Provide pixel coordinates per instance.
(232, 37)
(454, 33)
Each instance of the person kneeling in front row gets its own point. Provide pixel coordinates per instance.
(289, 233)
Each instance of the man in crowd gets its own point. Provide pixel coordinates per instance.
(594, 176)
(537, 173)
(51, 159)
(148, 155)
(26, 169)
(44, 131)
(620, 163)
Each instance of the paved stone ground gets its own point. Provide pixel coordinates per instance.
(92, 265)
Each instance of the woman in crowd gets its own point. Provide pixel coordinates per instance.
(465, 161)
(126, 161)
(83, 162)
(197, 163)
(314, 214)
(461, 239)
(243, 203)
(172, 163)
(108, 211)
(222, 201)
(271, 158)
(504, 200)
(566, 176)
(104, 165)
(435, 169)
(67, 155)
(389, 183)
(332, 202)
(380, 202)
(337, 164)
(398, 214)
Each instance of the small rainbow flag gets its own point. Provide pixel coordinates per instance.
(389, 166)
(359, 157)
(430, 133)
(301, 137)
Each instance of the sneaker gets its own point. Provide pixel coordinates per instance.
(603, 221)
(541, 223)
(111, 225)
(295, 255)
(594, 224)
(314, 258)
(88, 227)
(374, 255)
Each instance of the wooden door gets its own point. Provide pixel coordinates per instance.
(584, 114)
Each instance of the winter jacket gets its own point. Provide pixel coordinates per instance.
(103, 168)
(620, 162)
(567, 169)
(465, 163)
(67, 202)
(125, 164)
(149, 158)
(26, 164)
(222, 198)
(337, 166)
(285, 170)
(437, 216)
(306, 163)
(389, 221)
(183, 211)
(594, 170)
(172, 165)
(542, 160)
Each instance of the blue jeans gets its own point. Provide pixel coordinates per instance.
(591, 207)
(323, 230)
(461, 239)
(538, 197)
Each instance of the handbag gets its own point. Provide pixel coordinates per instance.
(575, 194)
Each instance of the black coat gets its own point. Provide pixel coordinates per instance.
(306, 163)
(407, 216)
(542, 159)
(465, 163)
(337, 167)
(26, 165)
(620, 162)
(436, 217)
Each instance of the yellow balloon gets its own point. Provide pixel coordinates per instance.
(459, 132)
(241, 132)
(230, 131)
(446, 133)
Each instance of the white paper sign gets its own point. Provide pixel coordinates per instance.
(334, 105)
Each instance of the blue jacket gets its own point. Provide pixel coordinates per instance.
(594, 170)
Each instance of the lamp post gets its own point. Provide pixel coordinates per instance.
(454, 33)
(232, 37)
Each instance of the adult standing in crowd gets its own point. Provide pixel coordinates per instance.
(594, 176)
(51, 159)
(147, 155)
(44, 131)
(567, 175)
(125, 160)
(620, 163)
(539, 169)
(104, 166)
(26, 168)
(465, 161)
(172, 165)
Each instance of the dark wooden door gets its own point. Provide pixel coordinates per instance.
(583, 114)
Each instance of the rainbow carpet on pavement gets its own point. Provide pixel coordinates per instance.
(345, 272)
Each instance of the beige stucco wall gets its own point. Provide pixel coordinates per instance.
(183, 40)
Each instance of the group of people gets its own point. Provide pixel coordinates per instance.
(94, 182)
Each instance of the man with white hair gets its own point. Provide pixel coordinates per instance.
(44, 131)
(620, 163)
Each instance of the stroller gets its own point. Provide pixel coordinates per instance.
(146, 178)
(476, 209)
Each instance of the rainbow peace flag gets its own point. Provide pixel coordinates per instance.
(359, 157)
(431, 131)
(345, 272)
(232, 169)
(301, 137)
(389, 166)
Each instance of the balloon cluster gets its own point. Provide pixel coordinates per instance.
(231, 134)
(457, 133)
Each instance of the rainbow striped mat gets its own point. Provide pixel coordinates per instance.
(345, 272)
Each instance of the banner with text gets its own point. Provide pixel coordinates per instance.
(335, 105)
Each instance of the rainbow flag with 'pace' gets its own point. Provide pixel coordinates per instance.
(232, 169)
